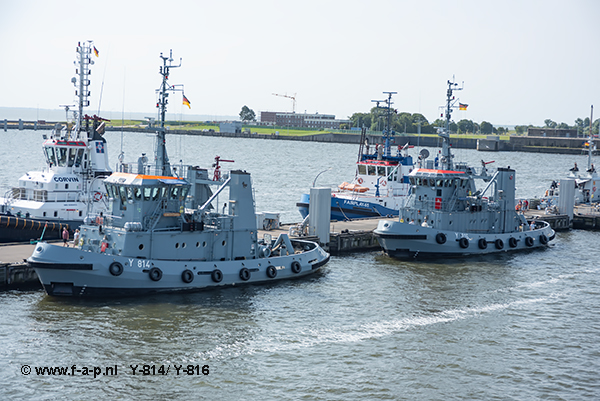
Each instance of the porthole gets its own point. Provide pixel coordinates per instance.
(141, 246)
(183, 244)
(177, 245)
(197, 244)
(223, 243)
(204, 244)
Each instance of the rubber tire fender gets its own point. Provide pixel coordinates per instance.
(512, 242)
(187, 276)
(482, 243)
(499, 243)
(440, 238)
(115, 268)
(245, 274)
(271, 272)
(217, 276)
(463, 242)
(529, 241)
(296, 267)
(155, 274)
(543, 239)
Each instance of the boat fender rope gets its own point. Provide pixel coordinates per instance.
(187, 276)
(512, 242)
(499, 244)
(463, 242)
(482, 243)
(155, 274)
(440, 238)
(296, 267)
(529, 241)
(245, 274)
(115, 268)
(217, 276)
(271, 271)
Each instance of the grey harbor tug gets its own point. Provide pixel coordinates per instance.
(447, 215)
(163, 233)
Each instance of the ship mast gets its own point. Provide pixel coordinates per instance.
(388, 133)
(162, 160)
(82, 83)
(444, 133)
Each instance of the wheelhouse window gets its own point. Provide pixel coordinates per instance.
(50, 156)
(371, 170)
(362, 169)
(72, 155)
(79, 157)
(62, 156)
(381, 171)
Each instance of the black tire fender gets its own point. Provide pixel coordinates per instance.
(482, 243)
(155, 274)
(529, 241)
(463, 242)
(440, 238)
(296, 267)
(499, 243)
(245, 274)
(512, 242)
(217, 276)
(187, 276)
(115, 268)
(543, 239)
(271, 271)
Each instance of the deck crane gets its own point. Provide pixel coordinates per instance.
(289, 97)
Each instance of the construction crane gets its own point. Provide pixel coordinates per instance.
(289, 97)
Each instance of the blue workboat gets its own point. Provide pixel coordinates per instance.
(380, 185)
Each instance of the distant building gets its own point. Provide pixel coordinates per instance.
(299, 120)
(234, 127)
(553, 132)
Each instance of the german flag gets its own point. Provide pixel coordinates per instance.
(462, 106)
(186, 102)
(96, 51)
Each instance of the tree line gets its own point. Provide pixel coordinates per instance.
(405, 122)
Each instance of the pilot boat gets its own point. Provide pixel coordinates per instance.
(380, 185)
(163, 233)
(447, 215)
(70, 187)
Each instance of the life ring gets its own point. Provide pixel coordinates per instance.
(482, 243)
(383, 183)
(217, 276)
(529, 241)
(97, 196)
(245, 274)
(463, 242)
(155, 274)
(271, 271)
(512, 242)
(440, 238)
(187, 276)
(296, 268)
(360, 181)
(499, 243)
(115, 268)
(543, 239)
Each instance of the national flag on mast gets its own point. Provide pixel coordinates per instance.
(186, 102)
(96, 51)
(462, 106)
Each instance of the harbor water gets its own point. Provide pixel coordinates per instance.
(505, 327)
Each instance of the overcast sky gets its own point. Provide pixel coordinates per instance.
(521, 61)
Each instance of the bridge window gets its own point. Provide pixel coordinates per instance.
(79, 157)
(371, 170)
(62, 156)
(50, 155)
(72, 154)
(362, 169)
(381, 171)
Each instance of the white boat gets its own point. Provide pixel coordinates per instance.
(162, 234)
(71, 185)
